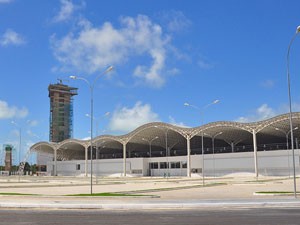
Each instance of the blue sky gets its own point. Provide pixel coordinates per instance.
(164, 53)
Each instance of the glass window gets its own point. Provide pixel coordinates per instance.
(136, 171)
(77, 166)
(154, 165)
(163, 165)
(184, 164)
(196, 170)
(175, 165)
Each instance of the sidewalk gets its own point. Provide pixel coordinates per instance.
(157, 193)
(140, 204)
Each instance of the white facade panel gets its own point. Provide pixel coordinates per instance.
(269, 163)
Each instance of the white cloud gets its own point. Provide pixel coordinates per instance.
(268, 84)
(66, 10)
(31, 134)
(86, 138)
(173, 71)
(94, 48)
(176, 21)
(32, 123)
(10, 37)
(152, 75)
(8, 112)
(265, 112)
(261, 113)
(173, 122)
(204, 64)
(127, 119)
(15, 132)
(180, 55)
(5, 1)
(295, 107)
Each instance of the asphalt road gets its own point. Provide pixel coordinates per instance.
(265, 216)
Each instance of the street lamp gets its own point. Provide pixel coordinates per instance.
(150, 142)
(202, 134)
(97, 120)
(167, 148)
(98, 164)
(290, 107)
(287, 143)
(97, 126)
(20, 144)
(91, 86)
(213, 147)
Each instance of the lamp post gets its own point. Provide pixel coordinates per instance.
(167, 148)
(98, 169)
(290, 107)
(97, 126)
(150, 142)
(91, 86)
(287, 143)
(213, 147)
(167, 152)
(20, 144)
(202, 134)
(97, 120)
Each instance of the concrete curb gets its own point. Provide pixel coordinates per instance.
(141, 206)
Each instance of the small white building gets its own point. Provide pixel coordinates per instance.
(161, 149)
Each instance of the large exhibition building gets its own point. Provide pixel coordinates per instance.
(161, 149)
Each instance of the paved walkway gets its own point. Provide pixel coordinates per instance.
(50, 192)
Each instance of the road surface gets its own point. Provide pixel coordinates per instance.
(224, 216)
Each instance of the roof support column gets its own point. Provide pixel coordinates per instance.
(255, 152)
(188, 147)
(55, 162)
(124, 158)
(202, 151)
(86, 161)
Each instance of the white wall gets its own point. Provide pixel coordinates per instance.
(269, 163)
(43, 158)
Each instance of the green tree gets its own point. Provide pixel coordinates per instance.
(27, 167)
(33, 168)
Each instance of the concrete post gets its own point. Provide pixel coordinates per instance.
(86, 161)
(124, 159)
(255, 152)
(188, 147)
(213, 149)
(55, 162)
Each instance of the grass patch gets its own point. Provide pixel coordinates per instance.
(108, 194)
(267, 180)
(176, 188)
(8, 193)
(214, 184)
(276, 192)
